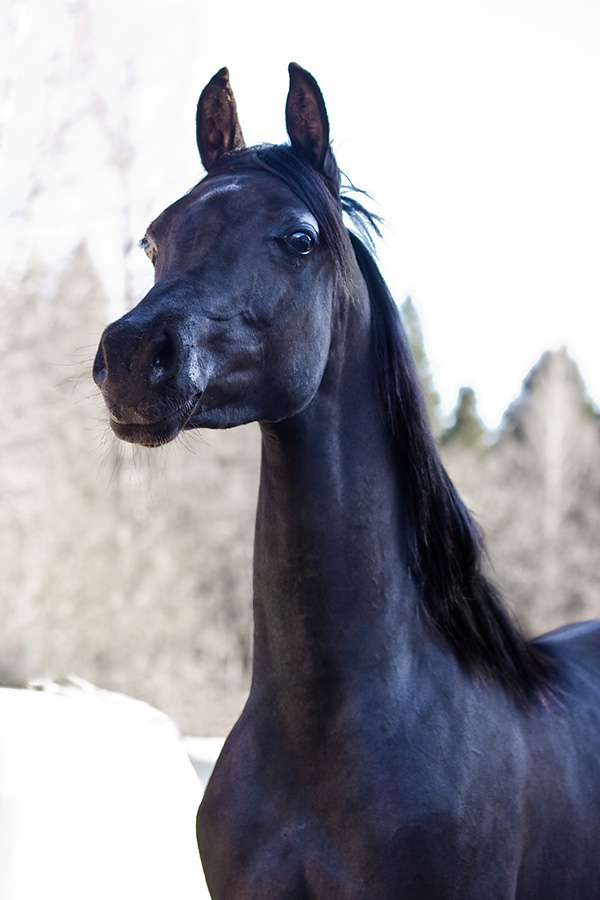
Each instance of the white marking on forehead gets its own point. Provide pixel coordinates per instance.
(222, 189)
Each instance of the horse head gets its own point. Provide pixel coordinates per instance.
(237, 325)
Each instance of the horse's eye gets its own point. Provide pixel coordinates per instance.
(301, 241)
(149, 248)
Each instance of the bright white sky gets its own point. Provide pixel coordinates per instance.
(474, 124)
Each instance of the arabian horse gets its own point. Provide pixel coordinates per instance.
(401, 739)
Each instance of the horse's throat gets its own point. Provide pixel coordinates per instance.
(331, 583)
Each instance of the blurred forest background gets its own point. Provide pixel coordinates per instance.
(132, 568)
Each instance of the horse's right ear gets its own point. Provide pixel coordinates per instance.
(217, 127)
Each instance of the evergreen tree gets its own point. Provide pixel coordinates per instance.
(545, 513)
(412, 324)
(467, 428)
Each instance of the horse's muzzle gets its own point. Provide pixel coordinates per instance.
(140, 372)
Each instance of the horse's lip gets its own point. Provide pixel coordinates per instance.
(159, 431)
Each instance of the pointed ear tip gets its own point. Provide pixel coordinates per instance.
(295, 69)
(218, 83)
(221, 75)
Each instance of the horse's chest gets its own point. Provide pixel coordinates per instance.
(275, 826)
(261, 838)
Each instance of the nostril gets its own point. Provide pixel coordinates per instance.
(163, 354)
(129, 358)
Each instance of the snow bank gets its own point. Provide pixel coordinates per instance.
(98, 798)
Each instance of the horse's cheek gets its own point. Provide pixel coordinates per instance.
(297, 360)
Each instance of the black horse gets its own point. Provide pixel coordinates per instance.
(401, 738)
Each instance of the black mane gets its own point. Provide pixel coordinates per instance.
(448, 551)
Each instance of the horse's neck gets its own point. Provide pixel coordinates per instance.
(332, 594)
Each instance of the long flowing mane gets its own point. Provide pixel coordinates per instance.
(447, 547)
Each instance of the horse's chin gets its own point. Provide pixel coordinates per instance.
(144, 435)
(157, 433)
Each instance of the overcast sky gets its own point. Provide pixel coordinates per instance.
(474, 125)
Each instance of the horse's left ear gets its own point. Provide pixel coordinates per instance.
(306, 117)
(217, 127)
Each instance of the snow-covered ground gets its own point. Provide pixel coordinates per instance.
(98, 797)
